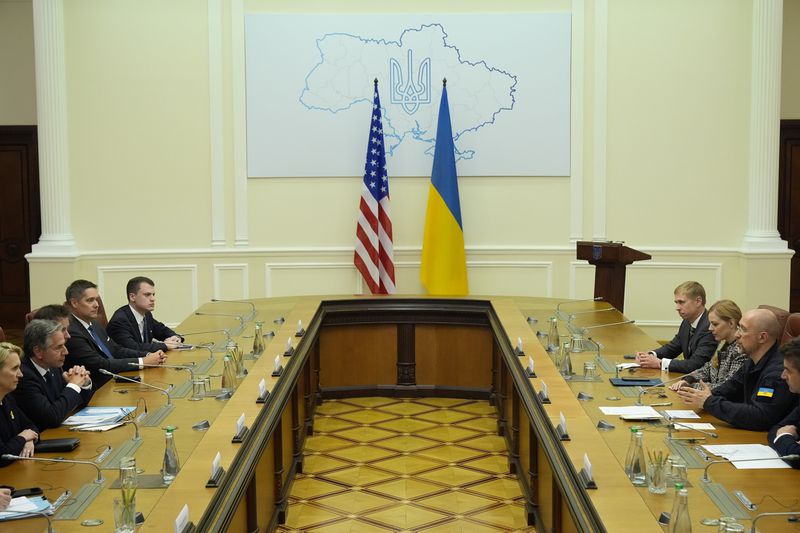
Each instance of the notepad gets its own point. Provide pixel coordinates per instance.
(92, 416)
(21, 506)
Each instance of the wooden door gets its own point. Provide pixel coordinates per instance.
(789, 201)
(20, 223)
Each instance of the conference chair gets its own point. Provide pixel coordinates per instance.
(780, 314)
(792, 329)
(2, 335)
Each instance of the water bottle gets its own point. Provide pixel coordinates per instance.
(228, 375)
(566, 361)
(258, 339)
(171, 463)
(552, 335)
(635, 466)
(679, 521)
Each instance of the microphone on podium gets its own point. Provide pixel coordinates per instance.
(12, 457)
(126, 378)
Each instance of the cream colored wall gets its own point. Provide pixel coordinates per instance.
(141, 81)
(18, 84)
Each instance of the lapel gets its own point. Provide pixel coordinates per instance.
(135, 325)
(146, 328)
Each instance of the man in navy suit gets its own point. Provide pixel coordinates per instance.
(784, 436)
(47, 394)
(693, 339)
(134, 326)
(90, 346)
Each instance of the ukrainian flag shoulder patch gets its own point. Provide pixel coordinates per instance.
(764, 391)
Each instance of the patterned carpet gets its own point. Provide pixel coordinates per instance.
(387, 464)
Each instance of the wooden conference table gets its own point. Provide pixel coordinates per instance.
(389, 346)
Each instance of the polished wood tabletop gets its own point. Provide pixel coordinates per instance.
(622, 506)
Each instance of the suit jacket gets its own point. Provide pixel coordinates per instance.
(12, 421)
(43, 405)
(125, 331)
(786, 445)
(755, 397)
(83, 350)
(696, 351)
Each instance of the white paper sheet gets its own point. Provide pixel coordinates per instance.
(644, 411)
(681, 413)
(748, 451)
(687, 426)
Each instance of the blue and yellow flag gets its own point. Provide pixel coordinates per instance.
(444, 262)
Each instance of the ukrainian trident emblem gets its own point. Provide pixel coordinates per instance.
(407, 91)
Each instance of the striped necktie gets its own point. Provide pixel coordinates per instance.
(100, 343)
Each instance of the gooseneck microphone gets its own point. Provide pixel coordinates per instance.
(671, 424)
(790, 457)
(650, 387)
(190, 367)
(253, 311)
(32, 514)
(568, 302)
(240, 318)
(622, 323)
(126, 378)
(762, 515)
(12, 457)
(227, 333)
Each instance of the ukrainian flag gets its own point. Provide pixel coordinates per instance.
(444, 262)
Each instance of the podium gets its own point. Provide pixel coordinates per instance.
(610, 260)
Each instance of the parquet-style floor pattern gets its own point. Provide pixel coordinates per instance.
(422, 464)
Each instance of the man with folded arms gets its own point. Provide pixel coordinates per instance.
(784, 436)
(693, 339)
(47, 394)
(134, 326)
(89, 344)
(755, 397)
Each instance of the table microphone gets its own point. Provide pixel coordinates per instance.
(762, 515)
(622, 323)
(790, 457)
(704, 432)
(645, 389)
(41, 514)
(190, 367)
(240, 318)
(558, 306)
(225, 331)
(12, 457)
(126, 378)
(251, 304)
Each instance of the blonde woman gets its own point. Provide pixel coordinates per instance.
(723, 319)
(17, 432)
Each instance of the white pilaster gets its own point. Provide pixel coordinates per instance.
(600, 116)
(765, 101)
(216, 113)
(576, 119)
(239, 124)
(51, 109)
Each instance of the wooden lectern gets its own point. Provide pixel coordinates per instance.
(609, 260)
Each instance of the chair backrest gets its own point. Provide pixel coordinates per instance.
(2, 335)
(792, 329)
(101, 313)
(780, 314)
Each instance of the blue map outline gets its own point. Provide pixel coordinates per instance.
(416, 132)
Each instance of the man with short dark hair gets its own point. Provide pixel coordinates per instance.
(784, 436)
(693, 339)
(134, 326)
(46, 393)
(89, 344)
(755, 397)
(57, 313)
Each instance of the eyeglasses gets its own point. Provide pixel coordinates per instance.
(740, 330)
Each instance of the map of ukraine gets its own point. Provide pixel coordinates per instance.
(410, 70)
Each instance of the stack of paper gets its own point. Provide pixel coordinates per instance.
(93, 417)
(22, 506)
(633, 412)
(732, 452)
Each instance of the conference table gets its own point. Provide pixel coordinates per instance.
(395, 346)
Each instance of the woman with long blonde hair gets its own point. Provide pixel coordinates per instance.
(17, 433)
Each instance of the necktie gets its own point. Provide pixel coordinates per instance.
(100, 343)
(144, 330)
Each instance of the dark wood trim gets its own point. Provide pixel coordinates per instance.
(403, 391)
(406, 355)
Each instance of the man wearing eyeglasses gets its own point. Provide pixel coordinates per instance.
(755, 397)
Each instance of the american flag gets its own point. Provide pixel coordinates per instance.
(374, 254)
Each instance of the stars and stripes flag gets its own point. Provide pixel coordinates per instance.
(374, 254)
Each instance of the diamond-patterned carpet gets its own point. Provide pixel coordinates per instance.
(388, 464)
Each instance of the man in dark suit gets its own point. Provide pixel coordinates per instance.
(693, 339)
(47, 394)
(755, 397)
(89, 344)
(784, 436)
(133, 325)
